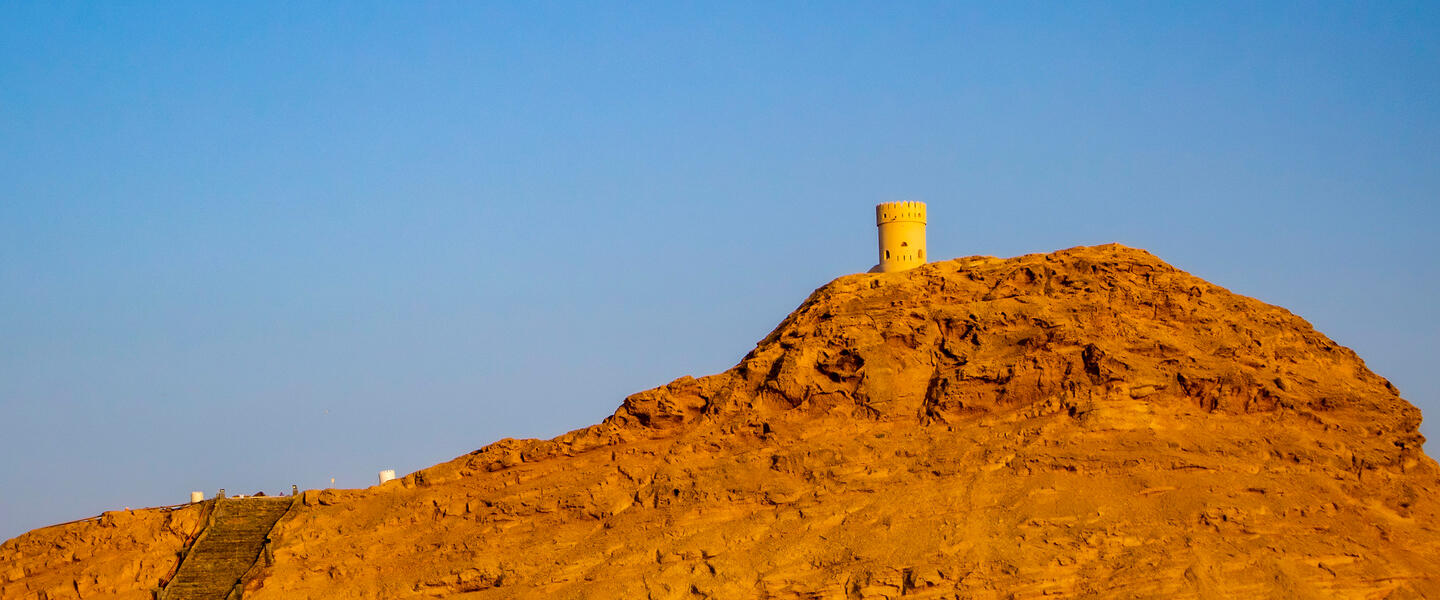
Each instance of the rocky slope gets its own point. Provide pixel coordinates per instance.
(1091, 422)
(121, 554)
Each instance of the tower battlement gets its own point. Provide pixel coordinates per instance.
(902, 235)
(890, 212)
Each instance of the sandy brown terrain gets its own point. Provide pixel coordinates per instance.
(1091, 422)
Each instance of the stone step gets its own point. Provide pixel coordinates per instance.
(227, 549)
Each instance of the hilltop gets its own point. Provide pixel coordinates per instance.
(1088, 422)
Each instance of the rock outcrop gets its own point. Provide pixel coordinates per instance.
(126, 555)
(1091, 422)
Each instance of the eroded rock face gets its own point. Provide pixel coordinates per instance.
(1087, 422)
(121, 554)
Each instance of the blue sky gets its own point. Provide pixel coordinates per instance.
(258, 245)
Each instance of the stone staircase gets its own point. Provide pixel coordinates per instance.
(226, 549)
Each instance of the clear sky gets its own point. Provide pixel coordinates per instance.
(257, 245)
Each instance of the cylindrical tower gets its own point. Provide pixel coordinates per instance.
(902, 235)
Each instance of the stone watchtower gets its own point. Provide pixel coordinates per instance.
(902, 236)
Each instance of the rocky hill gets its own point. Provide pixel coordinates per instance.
(1091, 422)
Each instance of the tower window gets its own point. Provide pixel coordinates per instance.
(887, 255)
(904, 244)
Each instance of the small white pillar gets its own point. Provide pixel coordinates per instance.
(197, 497)
(387, 475)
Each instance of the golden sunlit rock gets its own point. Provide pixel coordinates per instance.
(1091, 422)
